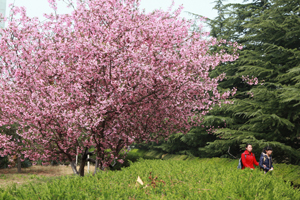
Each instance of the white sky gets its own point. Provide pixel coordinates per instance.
(203, 7)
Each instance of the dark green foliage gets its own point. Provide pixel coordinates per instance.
(26, 163)
(132, 156)
(3, 162)
(181, 144)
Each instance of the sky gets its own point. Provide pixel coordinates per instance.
(36, 8)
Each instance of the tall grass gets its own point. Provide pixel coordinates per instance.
(163, 179)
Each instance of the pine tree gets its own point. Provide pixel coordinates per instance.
(268, 113)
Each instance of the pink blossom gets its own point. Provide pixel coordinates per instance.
(121, 161)
(250, 81)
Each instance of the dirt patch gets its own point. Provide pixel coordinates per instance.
(34, 173)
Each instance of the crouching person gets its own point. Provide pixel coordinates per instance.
(265, 161)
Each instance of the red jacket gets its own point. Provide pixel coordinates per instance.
(249, 160)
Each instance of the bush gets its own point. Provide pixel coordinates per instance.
(132, 156)
(289, 172)
(3, 162)
(26, 163)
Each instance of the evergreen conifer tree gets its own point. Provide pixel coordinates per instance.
(267, 113)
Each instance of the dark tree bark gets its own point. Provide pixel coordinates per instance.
(83, 162)
(19, 164)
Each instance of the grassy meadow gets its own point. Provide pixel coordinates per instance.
(214, 178)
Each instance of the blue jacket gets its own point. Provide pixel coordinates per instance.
(265, 160)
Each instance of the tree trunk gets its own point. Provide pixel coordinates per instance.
(19, 164)
(83, 161)
(73, 166)
(96, 166)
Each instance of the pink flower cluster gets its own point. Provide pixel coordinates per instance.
(250, 81)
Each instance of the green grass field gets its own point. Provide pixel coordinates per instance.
(163, 179)
(287, 172)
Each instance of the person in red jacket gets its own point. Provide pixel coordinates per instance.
(248, 158)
